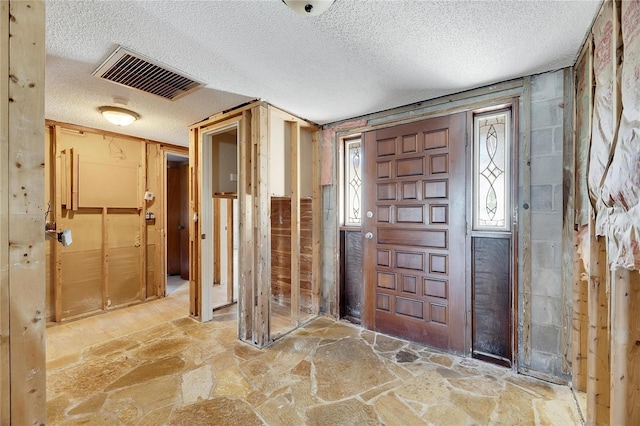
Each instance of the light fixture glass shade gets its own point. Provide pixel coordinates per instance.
(309, 7)
(118, 116)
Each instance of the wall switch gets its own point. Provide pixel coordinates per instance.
(233, 177)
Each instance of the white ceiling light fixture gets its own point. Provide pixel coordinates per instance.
(309, 7)
(118, 115)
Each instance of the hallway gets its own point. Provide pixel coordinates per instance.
(151, 364)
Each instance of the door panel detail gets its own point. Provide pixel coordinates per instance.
(436, 189)
(419, 196)
(386, 280)
(411, 237)
(411, 190)
(409, 284)
(409, 144)
(410, 167)
(410, 214)
(436, 139)
(410, 261)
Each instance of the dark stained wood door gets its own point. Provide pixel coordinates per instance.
(414, 231)
(184, 221)
(173, 219)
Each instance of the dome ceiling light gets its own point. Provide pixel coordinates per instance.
(309, 7)
(118, 116)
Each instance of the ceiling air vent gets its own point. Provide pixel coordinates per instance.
(134, 70)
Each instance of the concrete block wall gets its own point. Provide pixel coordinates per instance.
(546, 223)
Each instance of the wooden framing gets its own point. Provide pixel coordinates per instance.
(22, 259)
(262, 236)
(67, 145)
(568, 214)
(295, 223)
(255, 192)
(625, 340)
(598, 363)
(525, 221)
(246, 250)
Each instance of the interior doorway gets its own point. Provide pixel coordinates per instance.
(220, 221)
(177, 222)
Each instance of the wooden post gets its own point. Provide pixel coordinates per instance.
(568, 214)
(216, 242)
(105, 259)
(57, 215)
(625, 348)
(580, 330)
(5, 365)
(142, 230)
(22, 261)
(230, 250)
(316, 205)
(245, 206)
(194, 228)
(295, 222)
(525, 209)
(598, 358)
(262, 225)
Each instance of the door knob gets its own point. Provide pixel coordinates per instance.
(369, 214)
(368, 235)
(180, 227)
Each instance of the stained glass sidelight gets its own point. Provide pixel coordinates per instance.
(353, 182)
(491, 171)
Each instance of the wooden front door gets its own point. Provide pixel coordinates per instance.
(414, 231)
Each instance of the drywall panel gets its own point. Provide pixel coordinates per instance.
(279, 155)
(81, 282)
(152, 284)
(225, 161)
(306, 163)
(124, 275)
(107, 183)
(86, 228)
(123, 228)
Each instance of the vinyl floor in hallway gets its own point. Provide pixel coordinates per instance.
(152, 365)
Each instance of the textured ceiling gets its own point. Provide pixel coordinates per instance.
(360, 56)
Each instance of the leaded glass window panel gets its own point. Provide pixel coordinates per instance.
(353, 183)
(491, 172)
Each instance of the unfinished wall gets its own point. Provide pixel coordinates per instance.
(96, 186)
(546, 224)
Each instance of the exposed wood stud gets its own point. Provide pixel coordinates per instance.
(580, 315)
(525, 221)
(316, 267)
(245, 206)
(105, 260)
(262, 226)
(295, 223)
(22, 261)
(625, 348)
(568, 214)
(57, 214)
(230, 295)
(598, 356)
(5, 370)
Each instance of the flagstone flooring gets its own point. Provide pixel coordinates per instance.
(180, 372)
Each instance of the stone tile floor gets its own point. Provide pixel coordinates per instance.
(327, 373)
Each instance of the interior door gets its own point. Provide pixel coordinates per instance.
(414, 231)
(184, 221)
(173, 219)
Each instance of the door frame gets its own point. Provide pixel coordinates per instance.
(165, 152)
(513, 105)
(475, 100)
(207, 251)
